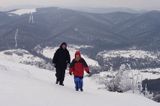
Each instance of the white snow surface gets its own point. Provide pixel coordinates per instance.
(127, 54)
(149, 74)
(49, 52)
(24, 11)
(23, 85)
(19, 56)
(80, 46)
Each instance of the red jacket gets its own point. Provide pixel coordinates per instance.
(78, 67)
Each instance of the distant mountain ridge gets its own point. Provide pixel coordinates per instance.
(105, 31)
(107, 10)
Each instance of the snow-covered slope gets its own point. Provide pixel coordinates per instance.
(23, 11)
(127, 54)
(23, 85)
(19, 56)
(49, 52)
(140, 74)
(137, 59)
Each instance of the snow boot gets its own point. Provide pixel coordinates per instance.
(61, 83)
(57, 81)
(81, 89)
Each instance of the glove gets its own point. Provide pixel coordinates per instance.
(70, 73)
(88, 72)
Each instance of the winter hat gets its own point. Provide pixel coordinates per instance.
(64, 43)
(78, 53)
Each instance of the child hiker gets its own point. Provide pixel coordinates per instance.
(77, 68)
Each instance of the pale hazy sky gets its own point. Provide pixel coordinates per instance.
(137, 4)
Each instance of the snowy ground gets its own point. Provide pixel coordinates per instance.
(24, 85)
(19, 56)
(128, 54)
(140, 73)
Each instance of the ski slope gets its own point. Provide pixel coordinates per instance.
(23, 11)
(24, 85)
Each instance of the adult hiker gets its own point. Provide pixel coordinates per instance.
(60, 60)
(77, 68)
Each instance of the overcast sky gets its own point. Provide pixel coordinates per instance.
(136, 4)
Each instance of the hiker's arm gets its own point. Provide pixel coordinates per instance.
(86, 67)
(71, 67)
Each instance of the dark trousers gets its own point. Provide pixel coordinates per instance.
(60, 74)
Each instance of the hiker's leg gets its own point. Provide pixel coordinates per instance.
(81, 84)
(62, 75)
(57, 75)
(76, 83)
